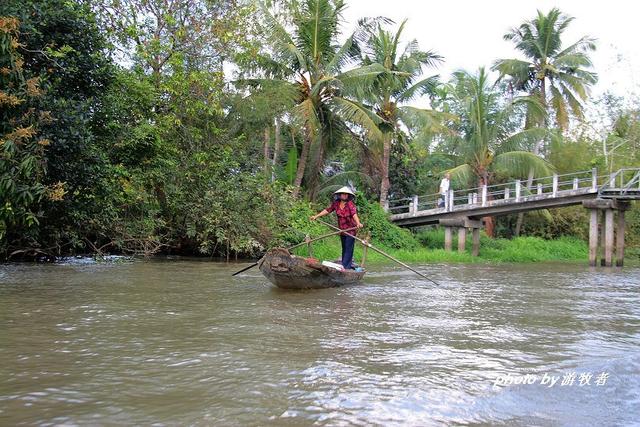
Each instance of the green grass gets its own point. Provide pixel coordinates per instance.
(431, 244)
(520, 249)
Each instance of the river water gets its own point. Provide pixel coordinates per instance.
(181, 342)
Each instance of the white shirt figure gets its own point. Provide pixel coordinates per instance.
(444, 185)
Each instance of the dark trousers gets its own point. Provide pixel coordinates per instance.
(348, 243)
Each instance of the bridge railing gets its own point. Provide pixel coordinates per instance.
(509, 192)
(622, 181)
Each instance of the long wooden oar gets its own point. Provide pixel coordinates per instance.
(364, 242)
(324, 236)
(306, 242)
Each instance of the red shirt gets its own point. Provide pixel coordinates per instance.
(345, 215)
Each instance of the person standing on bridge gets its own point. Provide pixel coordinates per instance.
(347, 215)
(445, 184)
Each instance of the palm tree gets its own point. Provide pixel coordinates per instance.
(398, 83)
(305, 62)
(487, 141)
(557, 76)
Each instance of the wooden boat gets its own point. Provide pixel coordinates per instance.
(293, 272)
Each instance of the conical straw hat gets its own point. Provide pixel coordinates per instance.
(344, 189)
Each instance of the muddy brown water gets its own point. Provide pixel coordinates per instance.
(181, 342)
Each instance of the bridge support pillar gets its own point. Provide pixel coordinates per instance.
(462, 224)
(448, 236)
(607, 231)
(620, 239)
(475, 251)
(462, 238)
(608, 237)
(602, 237)
(593, 237)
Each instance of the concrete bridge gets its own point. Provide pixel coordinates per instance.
(605, 195)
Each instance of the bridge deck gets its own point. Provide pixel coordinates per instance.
(495, 207)
(575, 189)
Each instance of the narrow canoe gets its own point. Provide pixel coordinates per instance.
(293, 272)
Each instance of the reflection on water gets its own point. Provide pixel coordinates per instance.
(182, 342)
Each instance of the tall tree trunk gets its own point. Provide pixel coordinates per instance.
(489, 226)
(302, 162)
(267, 143)
(314, 182)
(276, 150)
(384, 171)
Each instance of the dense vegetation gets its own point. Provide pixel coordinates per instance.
(217, 127)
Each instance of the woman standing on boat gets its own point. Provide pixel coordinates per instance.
(347, 215)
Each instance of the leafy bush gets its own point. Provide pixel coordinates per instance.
(376, 221)
(300, 224)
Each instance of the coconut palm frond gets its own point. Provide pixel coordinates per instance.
(361, 76)
(358, 114)
(347, 52)
(278, 38)
(334, 182)
(519, 163)
(521, 141)
(462, 176)
(315, 29)
(572, 61)
(426, 121)
(519, 71)
(584, 44)
(549, 65)
(423, 87)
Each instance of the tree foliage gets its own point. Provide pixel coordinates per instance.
(399, 82)
(305, 62)
(487, 143)
(22, 148)
(558, 76)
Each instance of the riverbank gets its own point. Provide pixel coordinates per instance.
(425, 246)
